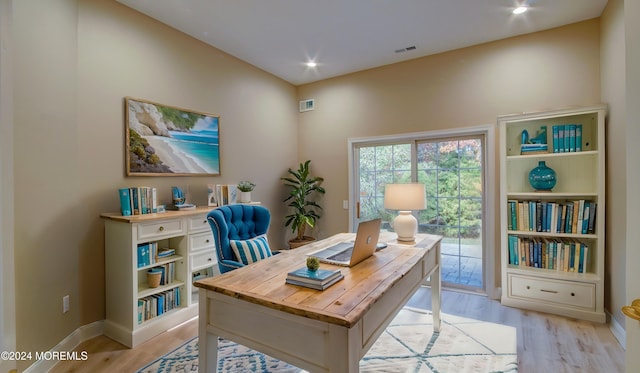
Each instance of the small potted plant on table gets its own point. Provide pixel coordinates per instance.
(245, 188)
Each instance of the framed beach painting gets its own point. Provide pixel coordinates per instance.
(163, 140)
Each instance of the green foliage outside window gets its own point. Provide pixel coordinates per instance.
(451, 172)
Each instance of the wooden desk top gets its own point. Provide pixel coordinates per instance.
(345, 302)
(169, 214)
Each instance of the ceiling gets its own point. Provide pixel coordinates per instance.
(344, 36)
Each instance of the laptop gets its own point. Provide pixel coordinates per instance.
(349, 253)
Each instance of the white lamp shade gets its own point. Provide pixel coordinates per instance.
(405, 197)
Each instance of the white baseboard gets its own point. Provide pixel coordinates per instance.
(618, 331)
(72, 341)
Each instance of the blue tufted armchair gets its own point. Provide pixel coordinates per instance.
(235, 223)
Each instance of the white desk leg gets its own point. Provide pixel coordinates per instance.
(344, 348)
(207, 342)
(436, 292)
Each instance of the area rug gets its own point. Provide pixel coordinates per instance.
(407, 345)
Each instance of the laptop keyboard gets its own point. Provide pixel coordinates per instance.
(344, 256)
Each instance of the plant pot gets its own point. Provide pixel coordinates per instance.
(295, 243)
(245, 197)
(153, 279)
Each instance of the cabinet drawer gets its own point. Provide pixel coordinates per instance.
(160, 229)
(566, 293)
(201, 241)
(198, 223)
(203, 259)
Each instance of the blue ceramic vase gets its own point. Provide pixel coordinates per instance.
(542, 177)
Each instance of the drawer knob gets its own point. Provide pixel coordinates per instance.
(204, 222)
(161, 228)
(528, 287)
(573, 294)
(207, 241)
(209, 259)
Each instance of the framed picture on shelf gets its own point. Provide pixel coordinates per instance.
(162, 140)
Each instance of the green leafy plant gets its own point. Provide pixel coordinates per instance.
(305, 209)
(246, 186)
(313, 263)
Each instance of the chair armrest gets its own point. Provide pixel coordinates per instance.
(232, 263)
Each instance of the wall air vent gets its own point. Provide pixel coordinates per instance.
(307, 105)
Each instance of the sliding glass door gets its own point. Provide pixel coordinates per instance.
(452, 169)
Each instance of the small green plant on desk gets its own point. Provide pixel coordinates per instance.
(313, 263)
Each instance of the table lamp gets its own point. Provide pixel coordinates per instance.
(405, 198)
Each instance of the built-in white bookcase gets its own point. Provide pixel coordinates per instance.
(555, 288)
(189, 234)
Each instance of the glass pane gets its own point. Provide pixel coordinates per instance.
(367, 159)
(448, 183)
(448, 155)
(471, 182)
(402, 157)
(383, 157)
(470, 153)
(427, 155)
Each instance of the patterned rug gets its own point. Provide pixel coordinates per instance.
(407, 345)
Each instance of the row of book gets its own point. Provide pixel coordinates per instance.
(577, 217)
(567, 138)
(157, 304)
(138, 200)
(222, 194)
(562, 255)
(149, 254)
(319, 279)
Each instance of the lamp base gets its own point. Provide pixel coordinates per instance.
(406, 226)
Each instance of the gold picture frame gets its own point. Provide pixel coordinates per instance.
(163, 140)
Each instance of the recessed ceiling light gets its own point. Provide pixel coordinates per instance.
(520, 10)
(311, 64)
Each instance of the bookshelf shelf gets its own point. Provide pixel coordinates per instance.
(548, 234)
(159, 262)
(145, 291)
(552, 259)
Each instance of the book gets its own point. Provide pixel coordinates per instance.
(534, 148)
(578, 137)
(232, 190)
(163, 253)
(572, 138)
(125, 202)
(314, 285)
(319, 276)
(143, 255)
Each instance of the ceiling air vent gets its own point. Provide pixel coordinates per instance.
(401, 50)
(307, 105)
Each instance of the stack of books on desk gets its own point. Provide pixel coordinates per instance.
(319, 279)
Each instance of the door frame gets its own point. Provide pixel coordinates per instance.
(491, 253)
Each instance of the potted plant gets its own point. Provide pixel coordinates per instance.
(305, 209)
(245, 188)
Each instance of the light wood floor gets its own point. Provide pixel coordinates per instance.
(546, 343)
